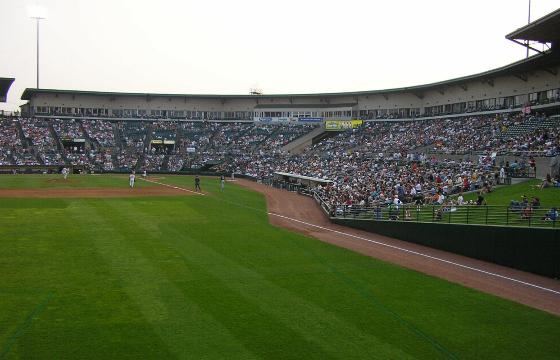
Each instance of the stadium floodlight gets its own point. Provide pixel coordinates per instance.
(38, 13)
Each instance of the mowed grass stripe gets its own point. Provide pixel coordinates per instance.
(257, 295)
(370, 297)
(237, 297)
(87, 318)
(226, 266)
(178, 322)
(24, 325)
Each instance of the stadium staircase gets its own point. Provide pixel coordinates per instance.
(58, 142)
(114, 154)
(178, 138)
(165, 163)
(89, 141)
(118, 136)
(147, 141)
(299, 144)
(148, 138)
(24, 141)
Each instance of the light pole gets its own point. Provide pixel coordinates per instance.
(37, 13)
(528, 22)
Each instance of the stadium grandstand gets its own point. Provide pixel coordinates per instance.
(458, 134)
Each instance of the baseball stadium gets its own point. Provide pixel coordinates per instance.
(404, 223)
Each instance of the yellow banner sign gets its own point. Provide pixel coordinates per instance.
(341, 125)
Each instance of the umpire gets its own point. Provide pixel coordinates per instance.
(197, 183)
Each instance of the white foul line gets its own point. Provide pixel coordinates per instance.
(418, 253)
(173, 187)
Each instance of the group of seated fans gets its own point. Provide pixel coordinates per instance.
(372, 163)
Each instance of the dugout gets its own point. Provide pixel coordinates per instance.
(295, 182)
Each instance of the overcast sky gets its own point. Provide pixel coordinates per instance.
(226, 46)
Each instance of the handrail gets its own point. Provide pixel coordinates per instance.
(497, 215)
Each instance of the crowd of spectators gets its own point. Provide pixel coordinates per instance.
(126, 160)
(175, 163)
(10, 141)
(375, 162)
(100, 131)
(153, 162)
(67, 129)
(133, 134)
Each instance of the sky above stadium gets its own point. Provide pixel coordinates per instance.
(229, 47)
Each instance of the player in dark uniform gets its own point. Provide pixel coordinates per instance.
(197, 183)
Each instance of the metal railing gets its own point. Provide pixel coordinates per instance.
(451, 214)
(497, 215)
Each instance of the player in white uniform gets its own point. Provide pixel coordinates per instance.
(65, 172)
(222, 182)
(131, 179)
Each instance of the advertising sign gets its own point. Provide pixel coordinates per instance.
(341, 125)
(310, 120)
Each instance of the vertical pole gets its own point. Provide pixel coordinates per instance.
(37, 19)
(507, 216)
(486, 215)
(528, 22)
(468, 213)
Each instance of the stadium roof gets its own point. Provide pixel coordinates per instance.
(544, 30)
(301, 177)
(519, 68)
(5, 84)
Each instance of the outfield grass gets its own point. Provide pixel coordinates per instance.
(503, 195)
(207, 277)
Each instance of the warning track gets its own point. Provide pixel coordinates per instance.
(301, 214)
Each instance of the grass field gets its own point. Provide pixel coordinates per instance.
(503, 195)
(55, 181)
(207, 277)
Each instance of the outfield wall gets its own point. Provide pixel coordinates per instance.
(527, 249)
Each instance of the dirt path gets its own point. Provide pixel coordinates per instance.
(283, 203)
(92, 192)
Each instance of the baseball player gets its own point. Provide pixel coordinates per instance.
(222, 182)
(131, 179)
(197, 183)
(65, 172)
